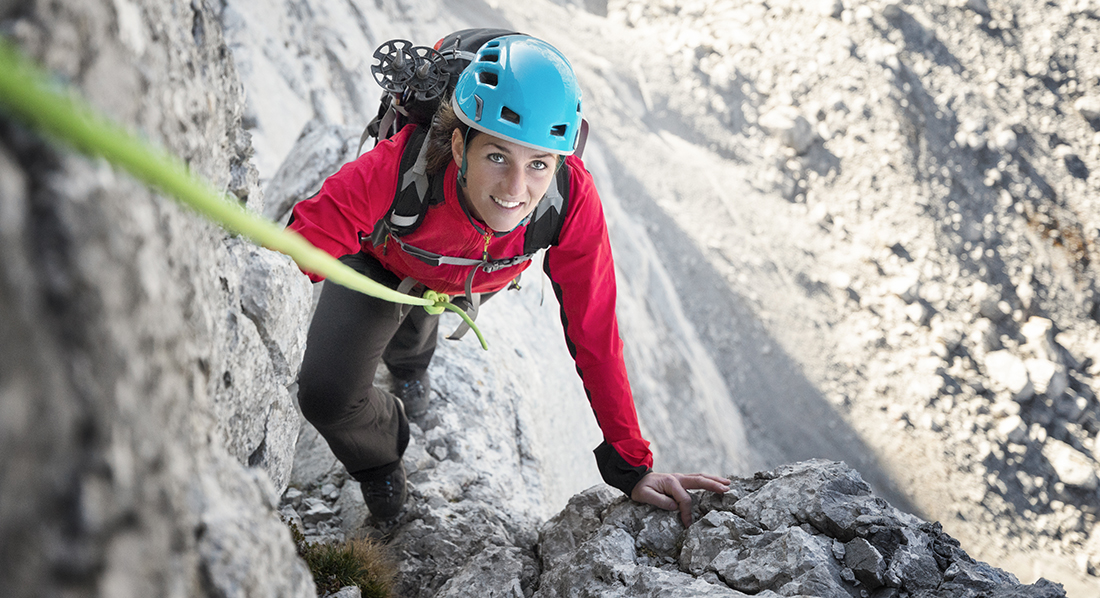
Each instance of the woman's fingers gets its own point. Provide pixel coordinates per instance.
(683, 500)
(664, 490)
(669, 490)
(702, 481)
(650, 496)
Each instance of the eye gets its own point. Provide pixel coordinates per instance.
(496, 157)
(539, 165)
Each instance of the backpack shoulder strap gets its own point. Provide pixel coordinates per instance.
(416, 191)
(544, 228)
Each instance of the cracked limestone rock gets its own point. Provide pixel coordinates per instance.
(147, 423)
(812, 528)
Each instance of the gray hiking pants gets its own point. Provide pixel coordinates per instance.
(348, 337)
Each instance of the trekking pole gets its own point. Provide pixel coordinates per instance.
(27, 95)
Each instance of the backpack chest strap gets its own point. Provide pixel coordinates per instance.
(431, 258)
(473, 300)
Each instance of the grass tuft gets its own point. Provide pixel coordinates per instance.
(360, 562)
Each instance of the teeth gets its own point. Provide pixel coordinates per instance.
(505, 204)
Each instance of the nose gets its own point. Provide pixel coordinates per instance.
(515, 182)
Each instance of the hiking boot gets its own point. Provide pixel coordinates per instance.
(386, 497)
(413, 394)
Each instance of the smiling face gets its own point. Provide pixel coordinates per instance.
(504, 180)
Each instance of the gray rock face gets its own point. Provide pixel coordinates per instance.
(317, 155)
(948, 200)
(470, 525)
(145, 355)
(806, 529)
(261, 316)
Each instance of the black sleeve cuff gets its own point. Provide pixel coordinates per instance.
(616, 471)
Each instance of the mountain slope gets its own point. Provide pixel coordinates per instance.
(905, 196)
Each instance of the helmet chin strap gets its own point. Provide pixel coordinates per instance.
(462, 167)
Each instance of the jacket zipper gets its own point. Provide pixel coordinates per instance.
(485, 251)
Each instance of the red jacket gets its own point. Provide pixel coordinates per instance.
(580, 267)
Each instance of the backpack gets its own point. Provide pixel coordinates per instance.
(416, 80)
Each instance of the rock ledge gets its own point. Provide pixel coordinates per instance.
(812, 528)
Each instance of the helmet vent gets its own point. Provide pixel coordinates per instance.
(489, 57)
(487, 78)
(509, 115)
(558, 130)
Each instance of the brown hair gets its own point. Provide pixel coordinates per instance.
(439, 137)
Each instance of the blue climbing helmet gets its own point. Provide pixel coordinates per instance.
(521, 89)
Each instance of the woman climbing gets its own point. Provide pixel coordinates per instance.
(492, 175)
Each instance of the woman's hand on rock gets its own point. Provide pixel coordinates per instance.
(669, 490)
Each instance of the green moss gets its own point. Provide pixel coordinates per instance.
(360, 562)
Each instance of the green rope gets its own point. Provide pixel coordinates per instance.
(438, 299)
(27, 95)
